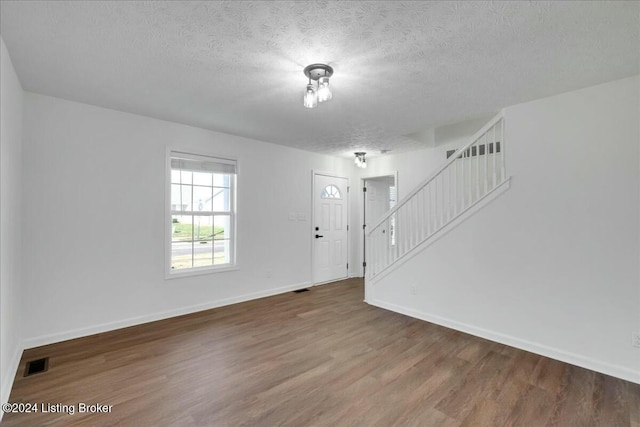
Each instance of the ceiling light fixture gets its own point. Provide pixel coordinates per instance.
(320, 73)
(360, 161)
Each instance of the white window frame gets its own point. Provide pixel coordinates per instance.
(233, 185)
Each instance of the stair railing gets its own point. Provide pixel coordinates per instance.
(469, 175)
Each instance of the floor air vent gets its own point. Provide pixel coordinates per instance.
(36, 366)
(301, 290)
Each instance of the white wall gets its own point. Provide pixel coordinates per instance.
(551, 265)
(94, 219)
(10, 222)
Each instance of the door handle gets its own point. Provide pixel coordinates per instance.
(318, 236)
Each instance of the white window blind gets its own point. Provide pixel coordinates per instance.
(195, 163)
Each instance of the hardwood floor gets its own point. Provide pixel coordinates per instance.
(321, 358)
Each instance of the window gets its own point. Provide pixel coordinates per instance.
(202, 213)
(330, 192)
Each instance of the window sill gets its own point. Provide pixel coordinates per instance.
(199, 272)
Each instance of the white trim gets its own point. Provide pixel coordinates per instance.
(382, 174)
(534, 347)
(313, 213)
(167, 212)
(133, 321)
(362, 232)
(328, 282)
(199, 271)
(233, 215)
(9, 376)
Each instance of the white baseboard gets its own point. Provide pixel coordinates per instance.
(330, 282)
(9, 376)
(106, 327)
(533, 347)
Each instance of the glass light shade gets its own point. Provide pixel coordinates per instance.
(310, 97)
(324, 93)
(363, 164)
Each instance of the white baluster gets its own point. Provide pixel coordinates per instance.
(382, 247)
(461, 184)
(486, 163)
(383, 250)
(495, 138)
(425, 212)
(369, 255)
(469, 182)
(407, 226)
(443, 206)
(438, 187)
(426, 207)
(409, 209)
(454, 192)
(375, 247)
(412, 228)
(434, 207)
(419, 216)
(495, 168)
(477, 163)
(398, 231)
(403, 230)
(379, 253)
(502, 151)
(430, 209)
(393, 253)
(416, 218)
(452, 182)
(455, 186)
(450, 195)
(385, 244)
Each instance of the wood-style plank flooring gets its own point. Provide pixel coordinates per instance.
(321, 358)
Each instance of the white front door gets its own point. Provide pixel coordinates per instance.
(330, 228)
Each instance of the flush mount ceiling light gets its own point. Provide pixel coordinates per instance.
(360, 161)
(320, 91)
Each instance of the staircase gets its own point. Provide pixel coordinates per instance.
(470, 176)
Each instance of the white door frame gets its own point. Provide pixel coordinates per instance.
(361, 218)
(312, 230)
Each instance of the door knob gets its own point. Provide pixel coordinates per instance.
(318, 236)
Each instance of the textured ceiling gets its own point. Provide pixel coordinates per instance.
(400, 67)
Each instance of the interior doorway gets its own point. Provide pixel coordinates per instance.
(380, 193)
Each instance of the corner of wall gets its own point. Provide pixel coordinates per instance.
(11, 269)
